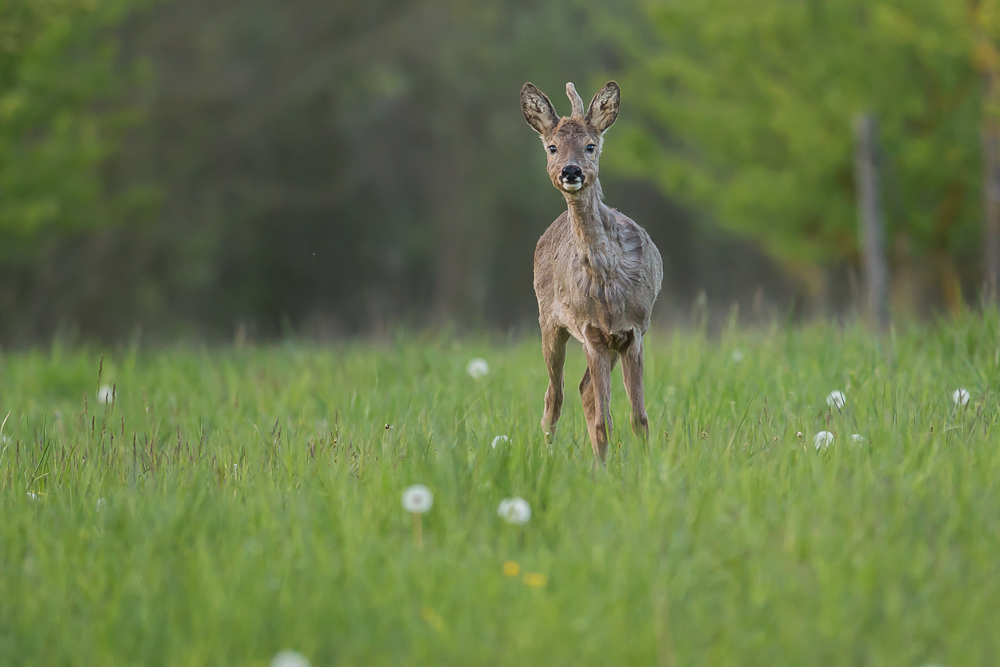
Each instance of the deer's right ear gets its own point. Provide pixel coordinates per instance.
(538, 111)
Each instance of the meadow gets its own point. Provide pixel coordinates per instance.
(214, 506)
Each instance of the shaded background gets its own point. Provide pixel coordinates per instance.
(214, 169)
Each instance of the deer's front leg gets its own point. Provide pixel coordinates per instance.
(554, 349)
(632, 367)
(596, 392)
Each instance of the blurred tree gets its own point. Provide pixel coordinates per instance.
(56, 65)
(748, 114)
(62, 117)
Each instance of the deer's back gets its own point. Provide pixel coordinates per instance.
(572, 295)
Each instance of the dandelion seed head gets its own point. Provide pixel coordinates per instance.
(32, 495)
(737, 356)
(823, 439)
(289, 659)
(101, 504)
(105, 394)
(499, 439)
(836, 399)
(417, 499)
(477, 368)
(960, 396)
(857, 439)
(515, 511)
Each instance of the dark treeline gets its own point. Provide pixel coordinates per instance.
(328, 167)
(201, 167)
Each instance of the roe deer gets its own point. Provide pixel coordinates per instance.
(597, 273)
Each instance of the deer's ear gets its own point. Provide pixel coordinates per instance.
(538, 111)
(604, 107)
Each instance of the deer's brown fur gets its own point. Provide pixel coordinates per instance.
(597, 273)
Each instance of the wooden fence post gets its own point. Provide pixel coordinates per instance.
(991, 184)
(872, 233)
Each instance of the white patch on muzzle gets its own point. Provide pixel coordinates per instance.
(572, 187)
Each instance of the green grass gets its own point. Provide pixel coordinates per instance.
(252, 504)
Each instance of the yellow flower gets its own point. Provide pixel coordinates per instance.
(511, 569)
(432, 618)
(535, 579)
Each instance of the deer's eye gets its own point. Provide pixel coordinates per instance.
(591, 148)
(552, 149)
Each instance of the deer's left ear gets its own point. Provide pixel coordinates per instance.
(604, 107)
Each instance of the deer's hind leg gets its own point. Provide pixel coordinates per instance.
(632, 367)
(554, 349)
(595, 389)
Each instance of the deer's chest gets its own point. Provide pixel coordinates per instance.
(585, 298)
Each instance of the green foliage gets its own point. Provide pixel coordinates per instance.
(252, 504)
(759, 100)
(57, 65)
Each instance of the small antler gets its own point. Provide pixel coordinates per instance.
(574, 98)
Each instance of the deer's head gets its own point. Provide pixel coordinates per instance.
(573, 143)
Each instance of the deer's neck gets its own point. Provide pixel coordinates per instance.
(592, 224)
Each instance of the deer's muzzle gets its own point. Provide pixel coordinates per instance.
(572, 177)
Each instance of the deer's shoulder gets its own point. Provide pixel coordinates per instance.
(639, 254)
(553, 240)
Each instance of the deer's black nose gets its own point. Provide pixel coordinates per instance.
(571, 172)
